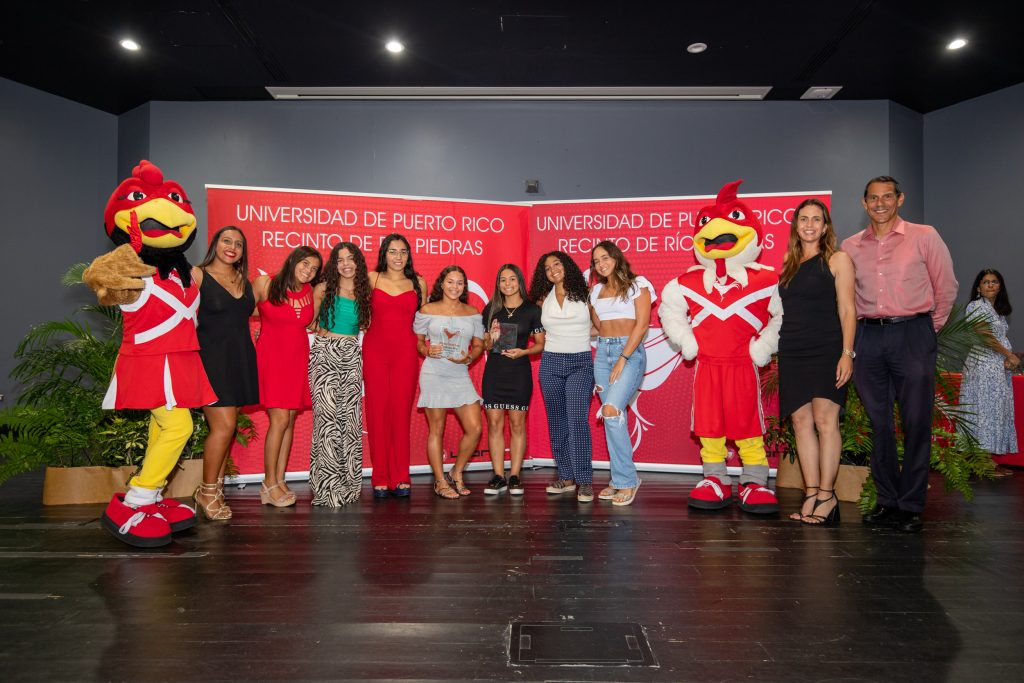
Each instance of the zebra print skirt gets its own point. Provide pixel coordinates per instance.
(336, 457)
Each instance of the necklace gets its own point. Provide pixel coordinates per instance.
(512, 311)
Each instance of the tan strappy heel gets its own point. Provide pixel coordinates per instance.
(206, 496)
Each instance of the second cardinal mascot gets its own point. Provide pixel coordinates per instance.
(726, 313)
(158, 366)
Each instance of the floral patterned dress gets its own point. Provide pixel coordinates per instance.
(987, 390)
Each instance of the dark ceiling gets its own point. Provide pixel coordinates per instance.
(232, 49)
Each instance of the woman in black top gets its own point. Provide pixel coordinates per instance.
(510, 320)
(816, 353)
(229, 358)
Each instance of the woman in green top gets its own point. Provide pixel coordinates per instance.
(342, 305)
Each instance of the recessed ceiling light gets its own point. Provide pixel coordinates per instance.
(696, 48)
(821, 92)
(129, 44)
(394, 46)
(957, 44)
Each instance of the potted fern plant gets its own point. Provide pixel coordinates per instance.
(955, 453)
(58, 423)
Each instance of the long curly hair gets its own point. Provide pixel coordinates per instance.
(623, 276)
(332, 280)
(285, 278)
(1002, 302)
(241, 266)
(575, 283)
(794, 252)
(409, 271)
(498, 299)
(437, 291)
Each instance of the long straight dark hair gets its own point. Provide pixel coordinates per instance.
(498, 299)
(285, 278)
(409, 271)
(241, 265)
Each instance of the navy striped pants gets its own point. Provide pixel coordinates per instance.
(567, 382)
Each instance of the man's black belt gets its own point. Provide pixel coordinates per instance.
(895, 320)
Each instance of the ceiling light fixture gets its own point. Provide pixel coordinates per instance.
(696, 48)
(740, 93)
(130, 44)
(821, 92)
(394, 46)
(956, 44)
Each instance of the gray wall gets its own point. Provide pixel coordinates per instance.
(473, 150)
(974, 182)
(59, 168)
(577, 150)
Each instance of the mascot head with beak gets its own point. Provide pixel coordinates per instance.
(727, 235)
(155, 217)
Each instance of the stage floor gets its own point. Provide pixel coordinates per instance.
(426, 589)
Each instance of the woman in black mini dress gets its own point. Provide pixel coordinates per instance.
(509, 321)
(816, 353)
(225, 303)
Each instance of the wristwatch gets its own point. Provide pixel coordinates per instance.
(850, 352)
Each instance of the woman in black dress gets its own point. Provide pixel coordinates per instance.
(225, 303)
(510, 320)
(816, 353)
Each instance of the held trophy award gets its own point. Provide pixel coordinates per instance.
(506, 337)
(451, 342)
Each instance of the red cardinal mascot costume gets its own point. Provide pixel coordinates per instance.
(158, 366)
(726, 313)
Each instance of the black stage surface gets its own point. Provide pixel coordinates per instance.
(426, 589)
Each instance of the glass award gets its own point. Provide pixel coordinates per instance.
(451, 343)
(507, 337)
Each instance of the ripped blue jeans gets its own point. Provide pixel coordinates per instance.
(619, 394)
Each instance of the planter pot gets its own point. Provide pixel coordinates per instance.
(86, 485)
(849, 482)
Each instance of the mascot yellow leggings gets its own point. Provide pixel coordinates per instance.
(169, 431)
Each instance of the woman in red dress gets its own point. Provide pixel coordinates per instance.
(391, 364)
(285, 307)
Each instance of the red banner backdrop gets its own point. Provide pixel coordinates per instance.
(656, 237)
(655, 234)
(479, 236)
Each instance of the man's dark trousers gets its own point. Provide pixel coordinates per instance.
(896, 363)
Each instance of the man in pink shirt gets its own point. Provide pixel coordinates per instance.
(905, 289)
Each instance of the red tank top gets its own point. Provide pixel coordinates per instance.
(391, 319)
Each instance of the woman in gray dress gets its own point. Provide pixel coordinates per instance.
(450, 335)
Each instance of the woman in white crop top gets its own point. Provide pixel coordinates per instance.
(566, 370)
(621, 311)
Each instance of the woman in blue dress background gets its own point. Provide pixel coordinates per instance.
(987, 390)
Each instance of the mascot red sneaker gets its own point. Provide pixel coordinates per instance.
(158, 366)
(726, 313)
